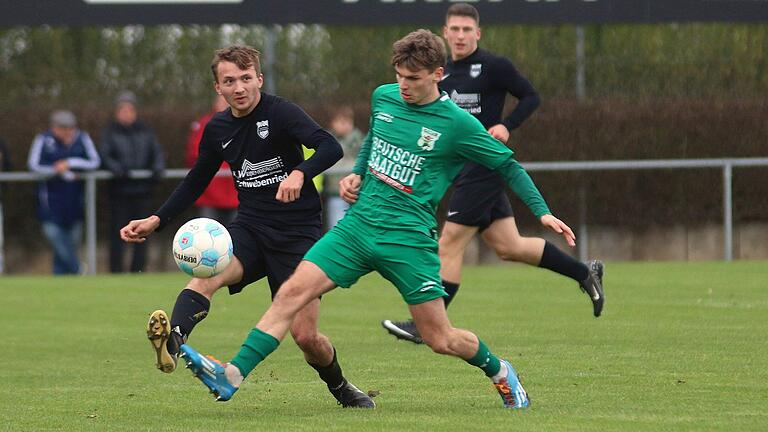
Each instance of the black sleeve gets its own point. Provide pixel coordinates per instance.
(193, 185)
(327, 152)
(518, 86)
(304, 129)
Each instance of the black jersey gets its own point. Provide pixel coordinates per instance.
(479, 83)
(262, 148)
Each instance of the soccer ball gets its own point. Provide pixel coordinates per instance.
(202, 248)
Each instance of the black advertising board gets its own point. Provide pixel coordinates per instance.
(371, 12)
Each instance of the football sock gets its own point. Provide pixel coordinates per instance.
(485, 360)
(257, 346)
(451, 289)
(331, 374)
(191, 307)
(233, 375)
(560, 262)
(501, 374)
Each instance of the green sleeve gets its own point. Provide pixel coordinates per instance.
(361, 163)
(479, 146)
(520, 182)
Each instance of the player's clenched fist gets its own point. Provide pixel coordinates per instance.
(349, 187)
(290, 188)
(137, 230)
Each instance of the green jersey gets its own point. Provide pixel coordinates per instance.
(413, 152)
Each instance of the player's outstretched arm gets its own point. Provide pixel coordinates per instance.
(137, 230)
(559, 227)
(349, 188)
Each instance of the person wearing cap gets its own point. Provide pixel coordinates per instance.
(128, 143)
(60, 154)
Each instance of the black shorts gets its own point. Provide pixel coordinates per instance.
(271, 252)
(479, 198)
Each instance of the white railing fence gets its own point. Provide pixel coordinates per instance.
(725, 164)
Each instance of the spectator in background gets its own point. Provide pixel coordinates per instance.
(219, 200)
(62, 152)
(5, 165)
(128, 143)
(343, 128)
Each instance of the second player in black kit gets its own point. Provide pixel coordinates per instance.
(479, 84)
(278, 219)
(262, 148)
(479, 81)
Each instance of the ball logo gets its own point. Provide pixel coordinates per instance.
(185, 258)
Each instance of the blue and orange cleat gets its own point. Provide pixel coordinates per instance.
(210, 371)
(512, 393)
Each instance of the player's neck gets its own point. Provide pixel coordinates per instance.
(433, 96)
(456, 57)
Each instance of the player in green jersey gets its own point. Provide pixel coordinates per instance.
(418, 141)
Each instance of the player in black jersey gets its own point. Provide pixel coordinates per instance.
(278, 218)
(478, 81)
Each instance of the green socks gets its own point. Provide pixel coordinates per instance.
(485, 360)
(257, 346)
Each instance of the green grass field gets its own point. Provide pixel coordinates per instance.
(681, 347)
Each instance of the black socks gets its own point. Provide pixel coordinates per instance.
(331, 374)
(451, 289)
(191, 307)
(560, 262)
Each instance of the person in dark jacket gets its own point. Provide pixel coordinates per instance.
(128, 143)
(60, 153)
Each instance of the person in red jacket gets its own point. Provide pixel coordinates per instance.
(219, 201)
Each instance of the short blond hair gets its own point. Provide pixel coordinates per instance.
(421, 49)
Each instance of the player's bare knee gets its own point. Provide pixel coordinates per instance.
(509, 251)
(437, 342)
(203, 286)
(291, 297)
(306, 340)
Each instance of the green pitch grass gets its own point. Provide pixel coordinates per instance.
(681, 347)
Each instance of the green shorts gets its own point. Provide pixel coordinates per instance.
(408, 259)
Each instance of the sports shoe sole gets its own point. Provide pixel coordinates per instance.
(400, 333)
(158, 332)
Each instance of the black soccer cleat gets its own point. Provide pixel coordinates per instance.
(405, 330)
(349, 396)
(593, 286)
(175, 341)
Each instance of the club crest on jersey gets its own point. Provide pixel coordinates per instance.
(428, 139)
(262, 128)
(475, 70)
